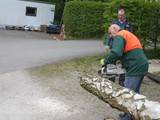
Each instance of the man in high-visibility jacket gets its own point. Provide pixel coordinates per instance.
(128, 49)
(123, 23)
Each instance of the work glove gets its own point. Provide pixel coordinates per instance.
(102, 62)
(108, 48)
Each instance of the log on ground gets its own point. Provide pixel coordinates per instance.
(123, 99)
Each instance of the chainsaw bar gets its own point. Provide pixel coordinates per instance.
(110, 71)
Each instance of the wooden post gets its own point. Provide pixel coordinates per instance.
(139, 107)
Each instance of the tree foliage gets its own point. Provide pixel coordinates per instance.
(154, 31)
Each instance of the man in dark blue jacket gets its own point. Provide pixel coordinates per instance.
(122, 23)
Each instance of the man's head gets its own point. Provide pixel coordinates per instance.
(121, 15)
(113, 29)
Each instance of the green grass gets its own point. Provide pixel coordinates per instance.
(82, 65)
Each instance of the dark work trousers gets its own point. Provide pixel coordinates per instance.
(121, 79)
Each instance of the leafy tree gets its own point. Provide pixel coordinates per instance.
(154, 32)
(149, 27)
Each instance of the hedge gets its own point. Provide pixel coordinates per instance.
(84, 19)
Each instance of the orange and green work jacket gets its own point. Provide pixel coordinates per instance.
(128, 49)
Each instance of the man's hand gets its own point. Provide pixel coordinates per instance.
(102, 62)
(107, 48)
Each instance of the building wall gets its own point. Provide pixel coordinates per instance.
(13, 12)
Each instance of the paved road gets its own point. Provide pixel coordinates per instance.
(20, 50)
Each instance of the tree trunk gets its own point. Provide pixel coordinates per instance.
(138, 106)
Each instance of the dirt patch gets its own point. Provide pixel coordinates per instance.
(60, 81)
(154, 66)
(149, 87)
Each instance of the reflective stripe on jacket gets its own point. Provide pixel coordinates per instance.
(132, 41)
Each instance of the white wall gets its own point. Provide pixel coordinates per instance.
(13, 13)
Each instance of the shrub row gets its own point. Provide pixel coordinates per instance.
(84, 19)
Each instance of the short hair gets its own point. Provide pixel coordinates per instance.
(122, 9)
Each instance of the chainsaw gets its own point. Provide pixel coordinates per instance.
(111, 70)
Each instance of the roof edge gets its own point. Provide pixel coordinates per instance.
(38, 2)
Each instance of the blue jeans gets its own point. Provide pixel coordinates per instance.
(133, 83)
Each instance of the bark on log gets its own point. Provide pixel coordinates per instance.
(139, 107)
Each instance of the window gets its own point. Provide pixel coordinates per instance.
(31, 11)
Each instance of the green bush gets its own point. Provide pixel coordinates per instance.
(84, 19)
(152, 53)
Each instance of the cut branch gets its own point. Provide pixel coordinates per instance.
(138, 106)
